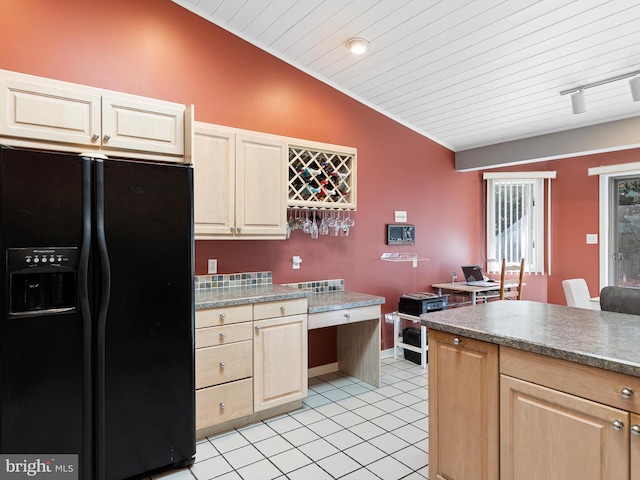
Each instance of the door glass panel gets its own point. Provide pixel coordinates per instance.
(625, 245)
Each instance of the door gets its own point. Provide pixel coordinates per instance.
(624, 255)
(41, 355)
(149, 377)
(261, 186)
(279, 360)
(463, 408)
(545, 434)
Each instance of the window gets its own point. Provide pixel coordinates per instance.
(515, 219)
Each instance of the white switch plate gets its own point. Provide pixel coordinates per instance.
(212, 266)
(400, 216)
(592, 238)
(296, 260)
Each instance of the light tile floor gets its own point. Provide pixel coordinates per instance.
(347, 429)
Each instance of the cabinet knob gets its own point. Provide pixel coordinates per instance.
(635, 429)
(257, 328)
(626, 393)
(222, 405)
(222, 316)
(233, 230)
(221, 364)
(107, 137)
(95, 137)
(238, 230)
(347, 315)
(282, 309)
(457, 341)
(222, 335)
(617, 425)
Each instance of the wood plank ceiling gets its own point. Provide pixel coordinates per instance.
(465, 73)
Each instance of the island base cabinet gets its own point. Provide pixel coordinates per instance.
(463, 408)
(547, 434)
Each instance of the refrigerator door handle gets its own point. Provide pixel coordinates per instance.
(87, 329)
(105, 294)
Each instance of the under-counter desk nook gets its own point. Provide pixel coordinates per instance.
(357, 317)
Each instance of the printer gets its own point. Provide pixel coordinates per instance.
(421, 302)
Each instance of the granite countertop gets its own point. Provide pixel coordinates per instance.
(341, 299)
(605, 340)
(224, 297)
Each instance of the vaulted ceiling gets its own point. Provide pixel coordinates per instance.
(465, 73)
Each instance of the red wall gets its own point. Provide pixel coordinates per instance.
(157, 49)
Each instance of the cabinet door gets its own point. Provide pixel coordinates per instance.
(279, 360)
(214, 154)
(635, 447)
(545, 434)
(463, 408)
(261, 186)
(149, 126)
(47, 112)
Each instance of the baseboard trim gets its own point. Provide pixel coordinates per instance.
(323, 369)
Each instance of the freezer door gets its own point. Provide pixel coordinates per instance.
(149, 329)
(41, 353)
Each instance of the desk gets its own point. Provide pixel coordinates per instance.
(463, 288)
(357, 317)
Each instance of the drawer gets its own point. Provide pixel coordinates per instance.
(279, 309)
(592, 383)
(223, 363)
(224, 335)
(214, 317)
(223, 402)
(346, 315)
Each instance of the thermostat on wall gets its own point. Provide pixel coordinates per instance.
(401, 234)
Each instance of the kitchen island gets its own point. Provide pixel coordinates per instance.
(529, 390)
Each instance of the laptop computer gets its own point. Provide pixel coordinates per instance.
(474, 277)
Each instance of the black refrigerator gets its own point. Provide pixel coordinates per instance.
(97, 312)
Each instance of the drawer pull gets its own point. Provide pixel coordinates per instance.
(457, 341)
(257, 328)
(617, 425)
(347, 315)
(221, 364)
(222, 316)
(635, 429)
(222, 335)
(626, 393)
(222, 405)
(282, 310)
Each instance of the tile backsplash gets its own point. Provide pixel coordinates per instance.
(319, 286)
(248, 279)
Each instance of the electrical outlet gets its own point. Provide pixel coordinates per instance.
(212, 266)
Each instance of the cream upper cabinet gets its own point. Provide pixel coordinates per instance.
(45, 113)
(240, 184)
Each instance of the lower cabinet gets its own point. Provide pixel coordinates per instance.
(463, 408)
(497, 412)
(251, 363)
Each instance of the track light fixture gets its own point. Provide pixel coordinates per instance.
(357, 45)
(578, 100)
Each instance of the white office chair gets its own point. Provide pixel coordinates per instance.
(577, 293)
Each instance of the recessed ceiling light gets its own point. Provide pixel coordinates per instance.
(358, 46)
